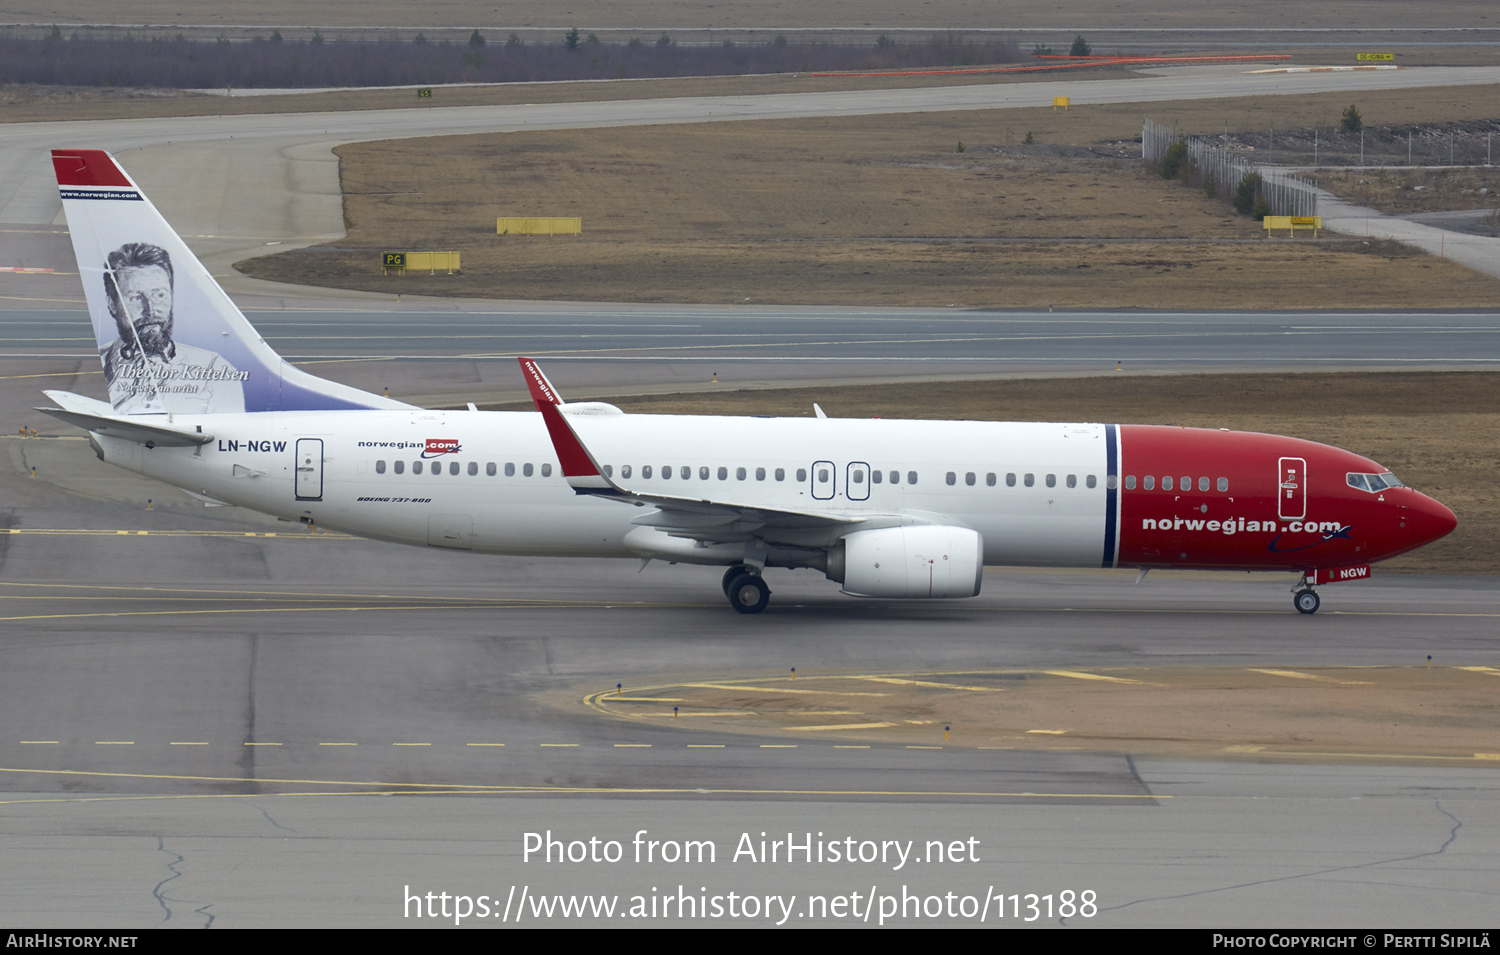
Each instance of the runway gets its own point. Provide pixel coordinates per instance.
(343, 720)
(465, 351)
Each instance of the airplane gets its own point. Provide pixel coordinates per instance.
(886, 508)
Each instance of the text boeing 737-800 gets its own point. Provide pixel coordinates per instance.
(888, 508)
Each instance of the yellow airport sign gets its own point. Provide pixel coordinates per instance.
(538, 225)
(1374, 56)
(1060, 101)
(1293, 223)
(430, 262)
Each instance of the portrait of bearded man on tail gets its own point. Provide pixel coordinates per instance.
(146, 370)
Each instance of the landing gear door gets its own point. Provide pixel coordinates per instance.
(824, 477)
(1291, 491)
(857, 482)
(309, 469)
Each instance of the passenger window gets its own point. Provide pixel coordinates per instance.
(646, 471)
(969, 479)
(1029, 480)
(760, 474)
(801, 475)
(526, 470)
(989, 479)
(781, 474)
(1130, 482)
(822, 475)
(1166, 483)
(625, 471)
(547, 470)
(1113, 481)
(1203, 484)
(724, 474)
(686, 473)
(876, 476)
(1010, 479)
(510, 469)
(666, 472)
(1223, 484)
(1072, 480)
(416, 467)
(859, 476)
(1150, 483)
(1186, 485)
(399, 466)
(703, 474)
(952, 479)
(609, 470)
(1091, 481)
(739, 474)
(895, 477)
(473, 468)
(437, 468)
(489, 469)
(379, 467)
(1052, 480)
(911, 477)
(453, 467)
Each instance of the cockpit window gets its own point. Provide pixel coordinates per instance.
(1373, 482)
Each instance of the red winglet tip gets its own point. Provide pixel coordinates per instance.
(541, 389)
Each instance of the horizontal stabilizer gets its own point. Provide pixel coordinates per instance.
(95, 416)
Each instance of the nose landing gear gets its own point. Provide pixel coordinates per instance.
(746, 591)
(1305, 599)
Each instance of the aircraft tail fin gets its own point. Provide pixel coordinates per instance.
(170, 339)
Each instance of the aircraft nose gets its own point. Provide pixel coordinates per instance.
(1428, 520)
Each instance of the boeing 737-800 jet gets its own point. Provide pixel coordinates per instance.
(887, 508)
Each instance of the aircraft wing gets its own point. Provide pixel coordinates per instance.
(154, 430)
(694, 518)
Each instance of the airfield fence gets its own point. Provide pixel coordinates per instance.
(1207, 160)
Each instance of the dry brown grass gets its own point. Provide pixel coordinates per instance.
(1394, 191)
(1438, 431)
(786, 211)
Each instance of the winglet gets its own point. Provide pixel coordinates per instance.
(580, 469)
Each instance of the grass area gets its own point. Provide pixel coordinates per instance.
(1438, 431)
(845, 211)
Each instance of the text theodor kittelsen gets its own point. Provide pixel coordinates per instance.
(865, 904)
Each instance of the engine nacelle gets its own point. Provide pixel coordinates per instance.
(916, 561)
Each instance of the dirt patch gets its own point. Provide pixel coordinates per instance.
(1438, 431)
(1340, 713)
(825, 212)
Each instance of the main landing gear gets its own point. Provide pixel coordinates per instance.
(1305, 599)
(746, 590)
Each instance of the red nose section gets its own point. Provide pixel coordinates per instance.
(1428, 520)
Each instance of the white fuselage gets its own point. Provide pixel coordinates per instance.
(509, 497)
